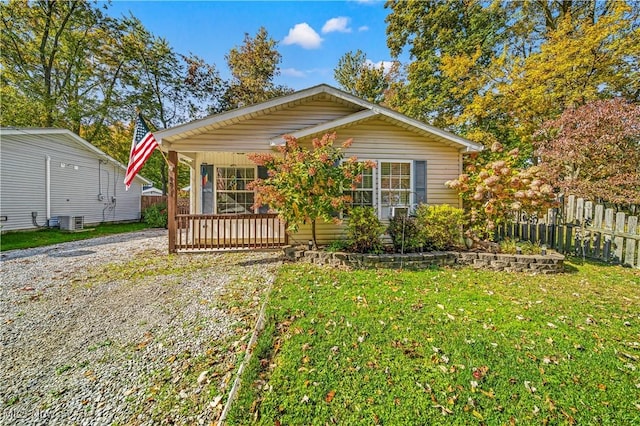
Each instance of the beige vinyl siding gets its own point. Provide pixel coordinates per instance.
(325, 233)
(253, 135)
(379, 140)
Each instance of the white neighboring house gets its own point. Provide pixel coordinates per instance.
(53, 176)
(152, 192)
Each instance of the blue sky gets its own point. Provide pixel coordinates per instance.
(312, 35)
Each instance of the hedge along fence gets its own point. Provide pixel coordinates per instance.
(584, 229)
(551, 263)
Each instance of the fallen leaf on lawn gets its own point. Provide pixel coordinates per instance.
(477, 415)
(602, 387)
(440, 306)
(330, 396)
(489, 394)
(444, 409)
(632, 357)
(202, 377)
(527, 385)
(216, 401)
(304, 399)
(551, 325)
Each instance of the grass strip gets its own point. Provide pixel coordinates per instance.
(45, 237)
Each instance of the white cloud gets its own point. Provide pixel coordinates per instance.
(386, 65)
(363, 28)
(304, 36)
(292, 72)
(339, 24)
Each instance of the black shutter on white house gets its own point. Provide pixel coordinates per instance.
(420, 181)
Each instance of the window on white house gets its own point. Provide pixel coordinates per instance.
(232, 195)
(394, 187)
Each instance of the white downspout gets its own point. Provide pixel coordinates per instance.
(48, 188)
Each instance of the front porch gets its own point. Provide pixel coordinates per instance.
(204, 232)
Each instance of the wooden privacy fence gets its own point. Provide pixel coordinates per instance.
(584, 229)
(151, 200)
(220, 232)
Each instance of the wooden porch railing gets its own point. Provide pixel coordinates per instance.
(199, 232)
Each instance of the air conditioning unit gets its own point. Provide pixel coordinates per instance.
(399, 211)
(71, 223)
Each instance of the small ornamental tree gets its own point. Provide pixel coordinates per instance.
(493, 189)
(304, 185)
(594, 151)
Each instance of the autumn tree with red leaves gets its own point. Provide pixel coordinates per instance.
(304, 185)
(594, 151)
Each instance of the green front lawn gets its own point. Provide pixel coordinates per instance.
(46, 237)
(447, 346)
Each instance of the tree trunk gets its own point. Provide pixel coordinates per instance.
(313, 233)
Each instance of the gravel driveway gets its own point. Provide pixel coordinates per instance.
(113, 330)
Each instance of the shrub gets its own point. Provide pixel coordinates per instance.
(510, 246)
(156, 215)
(493, 188)
(364, 230)
(338, 245)
(440, 226)
(405, 234)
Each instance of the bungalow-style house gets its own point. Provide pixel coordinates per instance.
(53, 177)
(413, 160)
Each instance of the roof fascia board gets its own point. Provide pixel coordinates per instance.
(319, 128)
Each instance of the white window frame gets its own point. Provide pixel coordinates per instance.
(377, 190)
(382, 213)
(216, 191)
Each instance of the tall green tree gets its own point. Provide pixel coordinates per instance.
(253, 65)
(436, 32)
(66, 64)
(495, 71)
(358, 76)
(52, 62)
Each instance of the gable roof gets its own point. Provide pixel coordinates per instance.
(365, 110)
(65, 135)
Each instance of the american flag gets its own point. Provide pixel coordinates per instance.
(141, 148)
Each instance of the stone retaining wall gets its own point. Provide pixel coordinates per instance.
(551, 263)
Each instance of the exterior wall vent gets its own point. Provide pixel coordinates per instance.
(71, 223)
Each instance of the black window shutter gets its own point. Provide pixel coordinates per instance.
(420, 181)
